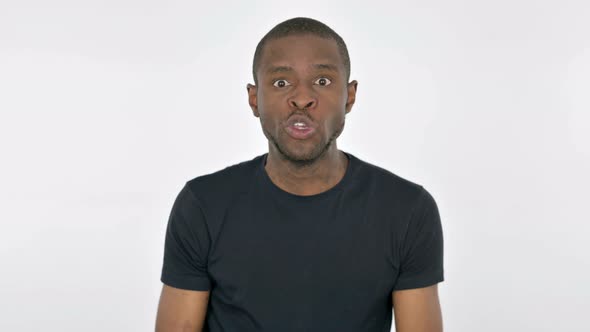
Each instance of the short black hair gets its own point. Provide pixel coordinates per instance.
(302, 26)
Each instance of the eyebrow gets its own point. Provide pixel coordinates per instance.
(283, 69)
(278, 69)
(326, 66)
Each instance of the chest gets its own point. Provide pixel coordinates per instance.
(328, 255)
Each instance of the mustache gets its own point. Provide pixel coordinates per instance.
(303, 113)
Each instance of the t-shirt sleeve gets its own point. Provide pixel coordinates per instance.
(186, 245)
(422, 249)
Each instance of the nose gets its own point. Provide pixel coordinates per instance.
(303, 98)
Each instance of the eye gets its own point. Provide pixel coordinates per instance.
(281, 83)
(323, 81)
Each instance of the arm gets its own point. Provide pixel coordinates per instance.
(417, 310)
(185, 294)
(415, 296)
(181, 310)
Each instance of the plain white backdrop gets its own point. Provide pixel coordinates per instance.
(108, 107)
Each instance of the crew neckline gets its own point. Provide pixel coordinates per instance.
(276, 190)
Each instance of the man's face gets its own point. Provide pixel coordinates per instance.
(302, 96)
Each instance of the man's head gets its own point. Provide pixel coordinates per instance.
(301, 26)
(301, 70)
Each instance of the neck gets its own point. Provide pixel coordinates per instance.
(311, 179)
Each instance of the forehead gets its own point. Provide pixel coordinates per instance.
(300, 51)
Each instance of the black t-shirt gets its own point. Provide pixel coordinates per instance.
(275, 261)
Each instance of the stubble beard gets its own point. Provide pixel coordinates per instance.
(311, 157)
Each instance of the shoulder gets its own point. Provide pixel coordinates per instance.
(384, 182)
(223, 184)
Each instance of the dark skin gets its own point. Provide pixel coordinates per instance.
(302, 166)
(303, 75)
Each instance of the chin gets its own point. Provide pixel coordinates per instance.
(299, 152)
(303, 154)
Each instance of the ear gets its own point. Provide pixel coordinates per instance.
(351, 89)
(253, 98)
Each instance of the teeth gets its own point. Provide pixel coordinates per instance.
(300, 124)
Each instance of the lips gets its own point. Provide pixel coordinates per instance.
(300, 127)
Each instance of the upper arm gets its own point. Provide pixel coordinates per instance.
(185, 294)
(422, 249)
(186, 247)
(181, 310)
(417, 310)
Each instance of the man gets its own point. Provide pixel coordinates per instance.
(305, 237)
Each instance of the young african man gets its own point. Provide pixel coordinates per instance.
(305, 237)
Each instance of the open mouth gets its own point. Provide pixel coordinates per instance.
(300, 127)
(299, 131)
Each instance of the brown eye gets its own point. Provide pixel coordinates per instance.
(281, 83)
(323, 81)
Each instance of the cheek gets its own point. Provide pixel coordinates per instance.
(336, 98)
(269, 117)
(332, 122)
(336, 104)
(272, 111)
(268, 104)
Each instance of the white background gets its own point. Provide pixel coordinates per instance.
(108, 107)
